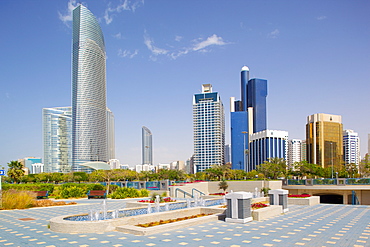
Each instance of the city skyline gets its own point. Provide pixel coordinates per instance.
(314, 54)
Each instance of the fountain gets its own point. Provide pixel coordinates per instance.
(166, 207)
(156, 202)
(149, 208)
(188, 203)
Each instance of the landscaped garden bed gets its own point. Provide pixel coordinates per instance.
(263, 211)
(162, 222)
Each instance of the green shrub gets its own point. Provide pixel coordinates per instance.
(122, 193)
(95, 187)
(144, 193)
(16, 199)
(113, 188)
(72, 192)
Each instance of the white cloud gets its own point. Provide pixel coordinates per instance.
(129, 5)
(178, 38)
(320, 18)
(155, 50)
(118, 35)
(274, 34)
(68, 17)
(126, 53)
(212, 40)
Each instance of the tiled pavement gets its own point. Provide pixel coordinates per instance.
(320, 225)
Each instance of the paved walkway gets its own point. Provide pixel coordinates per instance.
(320, 225)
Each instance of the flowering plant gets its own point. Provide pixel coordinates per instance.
(300, 196)
(166, 199)
(258, 205)
(218, 194)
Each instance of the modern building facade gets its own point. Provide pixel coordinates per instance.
(89, 125)
(294, 152)
(227, 153)
(209, 129)
(111, 146)
(57, 139)
(324, 139)
(146, 146)
(351, 147)
(247, 116)
(267, 144)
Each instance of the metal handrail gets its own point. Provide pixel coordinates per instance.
(185, 193)
(200, 192)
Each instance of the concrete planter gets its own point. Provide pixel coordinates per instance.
(267, 212)
(309, 201)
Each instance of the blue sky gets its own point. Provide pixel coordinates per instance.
(314, 54)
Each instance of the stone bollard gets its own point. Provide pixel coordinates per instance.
(279, 197)
(239, 207)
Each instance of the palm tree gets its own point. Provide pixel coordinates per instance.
(15, 171)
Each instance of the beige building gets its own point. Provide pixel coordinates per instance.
(324, 140)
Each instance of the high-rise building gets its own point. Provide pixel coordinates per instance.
(324, 139)
(146, 146)
(57, 139)
(304, 150)
(247, 116)
(110, 136)
(209, 129)
(89, 119)
(227, 153)
(267, 144)
(294, 151)
(351, 147)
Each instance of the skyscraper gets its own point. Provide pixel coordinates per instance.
(110, 135)
(57, 138)
(247, 116)
(209, 129)
(351, 147)
(146, 146)
(89, 120)
(267, 144)
(294, 152)
(324, 139)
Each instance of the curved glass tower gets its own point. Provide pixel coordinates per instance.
(89, 125)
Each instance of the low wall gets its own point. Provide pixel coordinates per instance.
(267, 212)
(309, 201)
(212, 187)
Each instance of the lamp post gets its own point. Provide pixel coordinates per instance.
(245, 151)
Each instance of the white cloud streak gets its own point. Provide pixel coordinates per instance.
(155, 50)
(320, 18)
(68, 17)
(126, 53)
(274, 34)
(127, 5)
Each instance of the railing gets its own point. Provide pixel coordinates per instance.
(355, 200)
(200, 192)
(328, 181)
(184, 192)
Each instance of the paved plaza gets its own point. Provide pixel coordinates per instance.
(320, 225)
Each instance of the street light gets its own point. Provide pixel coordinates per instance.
(245, 151)
(332, 165)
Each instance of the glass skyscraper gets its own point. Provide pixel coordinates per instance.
(57, 138)
(351, 147)
(209, 129)
(89, 120)
(247, 116)
(324, 138)
(147, 147)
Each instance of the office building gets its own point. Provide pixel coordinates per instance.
(351, 147)
(28, 162)
(324, 138)
(304, 150)
(177, 165)
(267, 144)
(228, 153)
(294, 152)
(146, 146)
(57, 139)
(247, 116)
(37, 168)
(89, 114)
(114, 164)
(209, 129)
(111, 146)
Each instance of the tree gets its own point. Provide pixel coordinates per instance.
(15, 171)
(273, 168)
(365, 166)
(80, 176)
(305, 169)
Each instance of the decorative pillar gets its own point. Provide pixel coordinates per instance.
(239, 207)
(279, 197)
